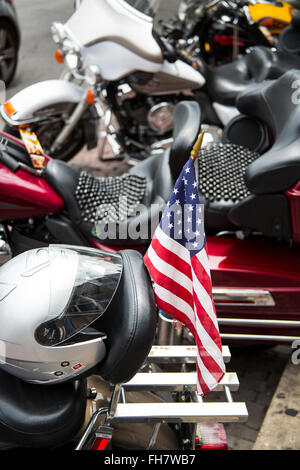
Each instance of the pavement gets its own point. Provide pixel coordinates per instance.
(280, 428)
(259, 368)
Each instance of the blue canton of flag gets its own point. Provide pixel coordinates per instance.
(183, 218)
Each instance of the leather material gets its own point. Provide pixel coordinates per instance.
(64, 179)
(129, 322)
(279, 168)
(39, 415)
(268, 214)
(187, 126)
(263, 63)
(225, 82)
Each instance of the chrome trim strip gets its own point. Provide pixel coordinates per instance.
(264, 338)
(174, 381)
(258, 322)
(14, 122)
(181, 412)
(243, 297)
(159, 354)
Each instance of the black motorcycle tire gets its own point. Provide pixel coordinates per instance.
(8, 63)
(70, 148)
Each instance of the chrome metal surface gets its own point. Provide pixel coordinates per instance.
(258, 322)
(161, 354)
(262, 338)
(175, 381)
(181, 412)
(239, 297)
(90, 426)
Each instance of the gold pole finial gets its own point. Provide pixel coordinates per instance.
(197, 146)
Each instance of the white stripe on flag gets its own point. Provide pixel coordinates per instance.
(209, 344)
(203, 259)
(173, 245)
(209, 379)
(177, 302)
(169, 270)
(205, 300)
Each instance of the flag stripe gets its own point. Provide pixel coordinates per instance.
(168, 243)
(169, 270)
(169, 283)
(171, 257)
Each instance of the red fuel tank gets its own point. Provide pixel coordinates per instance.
(25, 195)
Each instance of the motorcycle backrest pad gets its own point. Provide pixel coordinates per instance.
(248, 132)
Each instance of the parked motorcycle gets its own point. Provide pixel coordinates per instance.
(256, 293)
(225, 29)
(94, 316)
(132, 86)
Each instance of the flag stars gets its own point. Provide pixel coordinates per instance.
(193, 196)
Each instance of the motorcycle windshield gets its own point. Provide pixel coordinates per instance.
(90, 280)
(148, 7)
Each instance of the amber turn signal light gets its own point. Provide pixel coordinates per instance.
(9, 109)
(59, 56)
(90, 97)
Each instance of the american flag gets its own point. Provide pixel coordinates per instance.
(177, 261)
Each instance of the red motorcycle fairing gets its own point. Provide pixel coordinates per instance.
(24, 195)
(253, 266)
(293, 196)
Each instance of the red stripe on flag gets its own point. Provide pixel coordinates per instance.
(171, 258)
(169, 284)
(202, 275)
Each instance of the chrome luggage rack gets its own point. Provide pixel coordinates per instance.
(196, 410)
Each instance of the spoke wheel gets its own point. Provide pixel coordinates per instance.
(8, 51)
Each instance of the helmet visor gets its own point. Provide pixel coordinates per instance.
(83, 283)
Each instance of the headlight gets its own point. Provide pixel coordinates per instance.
(72, 60)
(58, 32)
(92, 75)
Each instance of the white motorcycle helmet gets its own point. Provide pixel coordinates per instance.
(49, 301)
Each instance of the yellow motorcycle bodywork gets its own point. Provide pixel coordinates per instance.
(272, 16)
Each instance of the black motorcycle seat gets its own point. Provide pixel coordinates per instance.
(225, 82)
(129, 322)
(64, 179)
(276, 103)
(38, 416)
